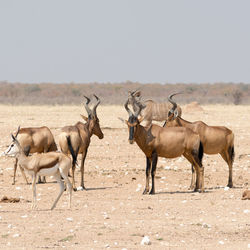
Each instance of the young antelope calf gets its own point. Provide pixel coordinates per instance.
(34, 140)
(47, 164)
(157, 142)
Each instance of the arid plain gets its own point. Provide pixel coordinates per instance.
(113, 213)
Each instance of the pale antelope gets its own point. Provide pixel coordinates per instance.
(79, 135)
(157, 142)
(215, 139)
(34, 140)
(54, 164)
(151, 111)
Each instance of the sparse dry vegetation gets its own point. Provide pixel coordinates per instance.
(116, 93)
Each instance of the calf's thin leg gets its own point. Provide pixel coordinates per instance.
(34, 204)
(61, 184)
(69, 185)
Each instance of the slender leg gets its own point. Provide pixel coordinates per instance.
(26, 152)
(61, 184)
(65, 177)
(198, 178)
(15, 167)
(227, 159)
(73, 170)
(148, 168)
(192, 185)
(23, 174)
(41, 179)
(199, 170)
(153, 170)
(22, 171)
(73, 176)
(34, 205)
(202, 179)
(190, 158)
(82, 168)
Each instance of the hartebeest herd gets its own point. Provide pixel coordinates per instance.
(177, 137)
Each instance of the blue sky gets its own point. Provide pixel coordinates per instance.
(114, 41)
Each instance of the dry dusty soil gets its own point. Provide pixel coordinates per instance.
(113, 213)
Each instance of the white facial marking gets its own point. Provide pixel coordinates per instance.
(12, 150)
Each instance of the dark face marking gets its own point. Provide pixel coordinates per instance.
(132, 123)
(10, 147)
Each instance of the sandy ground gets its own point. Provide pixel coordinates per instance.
(113, 213)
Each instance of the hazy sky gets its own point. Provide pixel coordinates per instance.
(118, 40)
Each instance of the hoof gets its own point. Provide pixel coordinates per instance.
(230, 185)
(152, 192)
(145, 191)
(81, 188)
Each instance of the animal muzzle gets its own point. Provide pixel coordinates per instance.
(101, 136)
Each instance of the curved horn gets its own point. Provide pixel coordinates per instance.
(127, 108)
(17, 131)
(140, 106)
(86, 106)
(173, 102)
(133, 92)
(96, 105)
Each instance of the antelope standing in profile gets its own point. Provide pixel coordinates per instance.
(157, 142)
(79, 135)
(215, 139)
(150, 110)
(47, 164)
(33, 140)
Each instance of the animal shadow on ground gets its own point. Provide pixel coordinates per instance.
(181, 192)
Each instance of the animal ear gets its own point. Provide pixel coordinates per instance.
(122, 120)
(138, 94)
(84, 117)
(13, 137)
(141, 119)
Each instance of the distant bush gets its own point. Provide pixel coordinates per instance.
(32, 88)
(237, 97)
(117, 93)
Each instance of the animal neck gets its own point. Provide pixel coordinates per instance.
(181, 122)
(83, 127)
(141, 137)
(89, 128)
(23, 160)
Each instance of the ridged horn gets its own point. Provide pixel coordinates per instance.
(96, 105)
(173, 102)
(127, 108)
(86, 105)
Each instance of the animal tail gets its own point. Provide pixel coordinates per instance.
(74, 157)
(200, 153)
